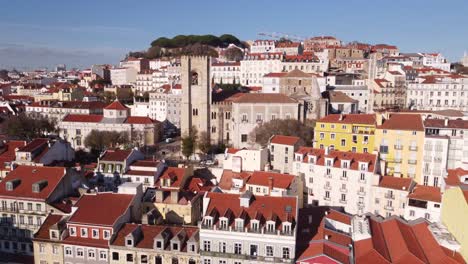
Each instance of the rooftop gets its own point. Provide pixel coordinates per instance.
(277, 180)
(366, 119)
(426, 193)
(265, 98)
(396, 183)
(411, 122)
(284, 140)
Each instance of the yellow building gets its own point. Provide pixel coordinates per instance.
(399, 139)
(353, 132)
(455, 207)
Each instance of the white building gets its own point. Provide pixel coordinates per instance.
(255, 65)
(225, 72)
(289, 48)
(360, 93)
(389, 197)
(262, 46)
(271, 82)
(239, 160)
(307, 63)
(457, 132)
(157, 64)
(282, 150)
(435, 153)
(245, 228)
(424, 202)
(435, 60)
(123, 76)
(144, 81)
(336, 178)
(165, 104)
(438, 93)
(251, 110)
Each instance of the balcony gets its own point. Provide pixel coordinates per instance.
(329, 176)
(413, 162)
(413, 148)
(343, 190)
(326, 198)
(398, 147)
(343, 178)
(397, 160)
(327, 187)
(390, 196)
(343, 201)
(361, 193)
(388, 208)
(360, 205)
(246, 257)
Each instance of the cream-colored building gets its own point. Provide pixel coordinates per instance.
(282, 150)
(155, 244)
(389, 197)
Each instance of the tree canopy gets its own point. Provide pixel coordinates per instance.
(100, 140)
(25, 127)
(189, 143)
(234, 54)
(181, 41)
(285, 127)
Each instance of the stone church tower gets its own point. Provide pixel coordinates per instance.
(196, 94)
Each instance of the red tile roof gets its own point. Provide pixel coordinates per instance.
(102, 209)
(426, 193)
(453, 176)
(175, 174)
(265, 98)
(284, 140)
(139, 120)
(83, 118)
(116, 105)
(275, 74)
(43, 232)
(396, 183)
(440, 123)
(279, 180)
(115, 155)
(395, 241)
(338, 156)
(145, 239)
(403, 122)
(146, 163)
(225, 183)
(34, 145)
(27, 176)
(278, 209)
(232, 150)
(339, 216)
(9, 153)
(366, 119)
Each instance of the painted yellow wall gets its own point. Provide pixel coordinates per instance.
(455, 215)
(346, 132)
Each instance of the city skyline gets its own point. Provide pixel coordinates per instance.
(46, 34)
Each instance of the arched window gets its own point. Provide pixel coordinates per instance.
(194, 78)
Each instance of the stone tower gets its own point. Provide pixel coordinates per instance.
(196, 94)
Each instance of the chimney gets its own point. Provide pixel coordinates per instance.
(270, 183)
(446, 122)
(383, 168)
(341, 117)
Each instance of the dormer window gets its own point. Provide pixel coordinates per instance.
(175, 246)
(84, 232)
(129, 241)
(254, 225)
(106, 234)
(329, 162)
(345, 164)
(208, 221)
(239, 225)
(287, 228)
(363, 166)
(223, 223)
(53, 234)
(311, 159)
(270, 227)
(95, 233)
(72, 231)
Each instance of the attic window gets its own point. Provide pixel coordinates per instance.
(11, 185)
(159, 244)
(175, 246)
(38, 186)
(129, 242)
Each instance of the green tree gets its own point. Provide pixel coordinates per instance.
(25, 127)
(234, 54)
(286, 127)
(100, 140)
(189, 143)
(204, 144)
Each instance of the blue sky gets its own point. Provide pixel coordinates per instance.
(80, 33)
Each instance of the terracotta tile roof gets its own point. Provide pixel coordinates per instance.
(115, 155)
(403, 122)
(34, 145)
(86, 242)
(426, 193)
(394, 73)
(396, 241)
(340, 97)
(102, 209)
(440, 123)
(278, 209)
(288, 45)
(83, 118)
(225, 64)
(140, 173)
(175, 174)
(339, 216)
(196, 185)
(139, 120)
(150, 232)
(9, 153)
(284, 140)
(453, 177)
(279, 180)
(232, 150)
(338, 156)
(43, 232)
(225, 182)
(366, 119)
(275, 74)
(265, 98)
(116, 105)
(27, 176)
(396, 183)
(146, 163)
